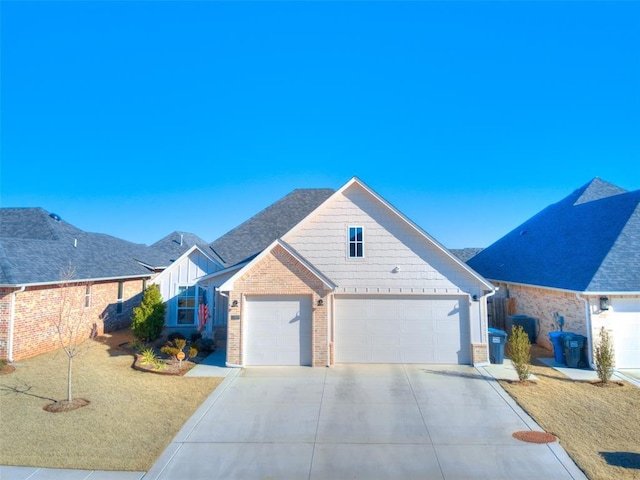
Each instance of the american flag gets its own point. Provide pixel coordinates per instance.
(203, 310)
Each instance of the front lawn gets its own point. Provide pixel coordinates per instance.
(131, 418)
(599, 427)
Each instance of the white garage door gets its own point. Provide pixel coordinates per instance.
(626, 332)
(278, 330)
(402, 329)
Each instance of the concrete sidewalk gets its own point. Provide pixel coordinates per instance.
(34, 473)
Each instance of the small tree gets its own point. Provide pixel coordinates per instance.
(519, 351)
(148, 317)
(604, 357)
(71, 323)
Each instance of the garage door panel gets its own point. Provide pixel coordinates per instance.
(626, 332)
(401, 329)
(278, 330)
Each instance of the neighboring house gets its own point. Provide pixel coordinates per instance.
(578, 259)
(324, 277)
(36, 249)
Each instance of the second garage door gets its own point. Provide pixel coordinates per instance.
(278, 330)
(402, 329)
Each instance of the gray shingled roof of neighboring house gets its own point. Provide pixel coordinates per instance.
(35, 247)
(587, 242)
(465, 254)
(176, 243)
(257, 233)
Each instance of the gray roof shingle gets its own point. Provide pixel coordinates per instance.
(36, 247)
(176, 243)
(589, 241)
(257, 233)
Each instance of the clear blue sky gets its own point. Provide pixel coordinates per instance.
(139, 118)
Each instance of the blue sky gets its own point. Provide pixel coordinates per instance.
(139, 118)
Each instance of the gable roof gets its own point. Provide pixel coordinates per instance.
(355, 181)
(36, 247)
(253, 236)
(177, 243)
(587, 242)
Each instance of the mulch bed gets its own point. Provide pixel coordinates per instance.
(609, 384)
(7, 369)
(530, 436)
(66, 406)
(172, 367)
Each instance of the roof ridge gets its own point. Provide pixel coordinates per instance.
(597, 189)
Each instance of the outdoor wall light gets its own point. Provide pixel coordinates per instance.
(604, 303)
(475, 298)
(320, 302)
(234, 303)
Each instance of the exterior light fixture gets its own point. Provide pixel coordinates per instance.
(234, 303)
(475, 298)
(604, 303)
(320, 302)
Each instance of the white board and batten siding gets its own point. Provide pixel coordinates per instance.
(185, 271)
(625, 322)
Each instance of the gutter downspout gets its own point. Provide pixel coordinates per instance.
(587, 313)
(12, 316)
(490, 294)
(227, 364)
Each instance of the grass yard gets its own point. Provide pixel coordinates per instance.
(599, 427)
(131, 419)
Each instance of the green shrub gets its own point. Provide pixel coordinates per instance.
(193, 351)
(149, 357)
(148, 317)
(519, 352)
(170, 351)
(603, 357)
(195, 336)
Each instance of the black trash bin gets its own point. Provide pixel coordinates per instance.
(497, 340)
(528, 324)
(574, 350)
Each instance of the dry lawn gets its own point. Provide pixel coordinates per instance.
(599, 427)
(131, 419)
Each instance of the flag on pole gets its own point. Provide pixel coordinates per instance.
(203, 310)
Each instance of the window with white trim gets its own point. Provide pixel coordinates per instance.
(186, 311)
(356, 242)
(87, 296)
(120, 300)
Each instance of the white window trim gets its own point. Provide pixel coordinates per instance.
(120, 299)
(87, 296)
(178, 308)
(349, 257)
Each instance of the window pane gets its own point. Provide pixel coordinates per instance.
(352, 250)
(358, 250)
(185, 317)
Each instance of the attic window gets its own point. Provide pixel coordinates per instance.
(356, 242)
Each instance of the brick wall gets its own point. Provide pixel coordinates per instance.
(278, 273)
(542, 303)
(479, 353)
(37, 310)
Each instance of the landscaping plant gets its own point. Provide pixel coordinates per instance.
(519, 352)
(604, 357)
(173, 348)
(148, 317)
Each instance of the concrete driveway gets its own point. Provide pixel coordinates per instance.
(360, 421)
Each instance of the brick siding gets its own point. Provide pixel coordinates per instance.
(278, 273)
(37, 310)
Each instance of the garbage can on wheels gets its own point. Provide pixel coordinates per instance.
(573, 350)
(558, 346)
(497, 340)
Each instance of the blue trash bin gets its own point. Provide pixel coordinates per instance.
(497, 340)
(558, 347)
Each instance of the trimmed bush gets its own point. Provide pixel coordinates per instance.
(519, 352)
(603, 357)
(148, 317)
